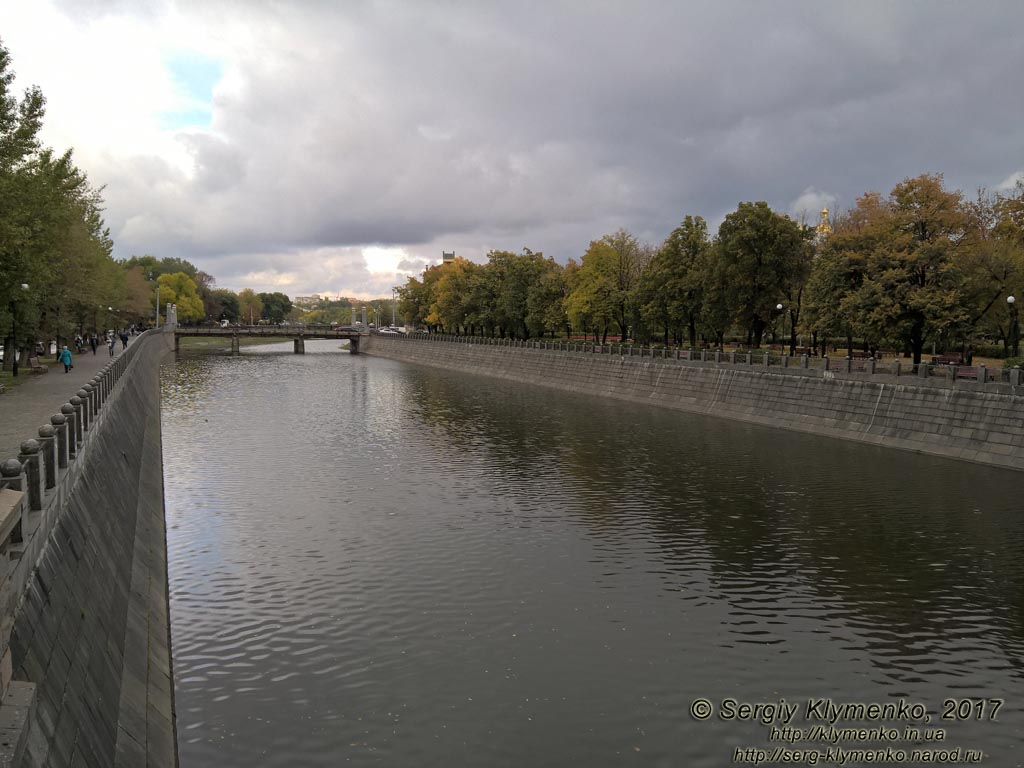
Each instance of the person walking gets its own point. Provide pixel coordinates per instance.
(111, 341)
(94, 342)
(65, 357)
(124, 339)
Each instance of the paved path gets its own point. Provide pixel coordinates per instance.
(26, 407)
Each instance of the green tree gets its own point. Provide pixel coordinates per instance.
(509, 278)
(226, 305)
(276, 307)
(545, 301)
(764, 255)
(670, 291)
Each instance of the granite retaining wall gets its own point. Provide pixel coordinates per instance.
(84, 619)
(968, 420)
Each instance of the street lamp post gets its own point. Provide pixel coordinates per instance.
(780, 308)
(393, 307)
(1011, 304)
(14, 330)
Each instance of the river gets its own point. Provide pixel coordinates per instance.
(373, 563)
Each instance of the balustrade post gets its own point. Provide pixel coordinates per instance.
(48, 451)
(100, 395)
(805, 361)
(922, 370)
(90, 401)
(982, 373)
(86, 419)
(94, 400)
(1015, 376)
(29, 458)
(76, 403)
(13, 477)
(895, 367)
(68, 410)
(60, 426)
(827, 362)
(871, 366)
(750, 358)
(785, 361)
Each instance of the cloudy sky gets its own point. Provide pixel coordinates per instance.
(334, 147)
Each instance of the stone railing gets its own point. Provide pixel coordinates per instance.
(937, 375)
(36, 484)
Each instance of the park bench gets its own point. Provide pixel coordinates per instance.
(35, 366)
(948, 360)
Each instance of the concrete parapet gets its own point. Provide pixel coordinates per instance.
(71, 553)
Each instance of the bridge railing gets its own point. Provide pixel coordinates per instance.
(35, 484)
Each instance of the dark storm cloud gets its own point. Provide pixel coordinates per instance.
(511, 125)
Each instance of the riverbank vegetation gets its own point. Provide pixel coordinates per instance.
(922, 265)
(57, 274)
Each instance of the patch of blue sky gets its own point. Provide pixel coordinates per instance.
(190, 118)
(196, 75)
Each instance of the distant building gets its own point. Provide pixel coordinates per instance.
(308, 302)
(447, 257)
(824, 229)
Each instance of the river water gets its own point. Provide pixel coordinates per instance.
(373, 563)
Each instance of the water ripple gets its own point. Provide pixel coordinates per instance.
(376, 564)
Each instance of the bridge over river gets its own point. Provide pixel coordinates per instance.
(298, 333)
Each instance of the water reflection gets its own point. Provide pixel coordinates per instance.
(396, 565)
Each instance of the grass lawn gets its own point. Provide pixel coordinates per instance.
(8, 381)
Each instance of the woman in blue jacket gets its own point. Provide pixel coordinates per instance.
(65, 357)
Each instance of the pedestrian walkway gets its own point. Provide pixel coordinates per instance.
(26, 407)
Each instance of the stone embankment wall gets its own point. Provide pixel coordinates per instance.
(84, 619)
(969, 420)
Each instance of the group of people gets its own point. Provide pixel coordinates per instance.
(110, 340)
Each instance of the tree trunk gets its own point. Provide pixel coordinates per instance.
(917, 342)
(693, 331)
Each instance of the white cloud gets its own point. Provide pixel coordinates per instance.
(807, 208)
(335, 145)
(1010, 182)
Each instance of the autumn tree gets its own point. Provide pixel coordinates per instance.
(249, 306)
(455, 289)
(605, 286)
(912, 286)
(180, 289)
